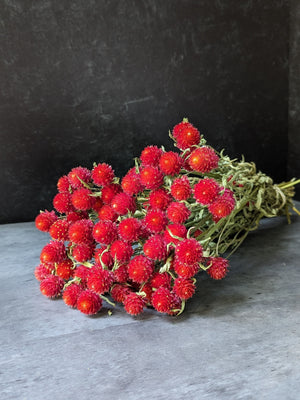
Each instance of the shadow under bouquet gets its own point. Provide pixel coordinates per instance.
(142, 240)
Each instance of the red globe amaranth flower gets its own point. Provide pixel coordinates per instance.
(184, 288)
(129, 229)
(206, 191)
(82, 199)
(81, 272)
(170, 163)
(122, 204)
(160, 199)
(59, 230)
(121, 273)
(155, 248)
(44, 220)
(71, 294)
(222, 206)
(105, 232)
(81, 231)
(109, 192)
(186, 270)
(41, 272)
(53, 252)
(65, 269)
(134, 303)
(189, 251)
(131, 183)
(83, 252)
(140, 268)
(162, 300)
(155, 220)
(173, 232)
(63, 184)
(186, 135)
(78, 173)
(99, 279)
(103, 174)
(106, 213)
(204, 159)
(181, 188)
(51, 286)
(150, 156)
(102, 256)
(151, 177)
(74, 216)
(62, 203)
(161, 279)
(178, 213)
(89, 302)
(119, 292)
(218, 267)
(121, 251)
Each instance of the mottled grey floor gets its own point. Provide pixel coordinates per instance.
(238, 338)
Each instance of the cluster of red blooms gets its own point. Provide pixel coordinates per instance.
(130, 240)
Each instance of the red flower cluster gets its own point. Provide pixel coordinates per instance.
(132, 241)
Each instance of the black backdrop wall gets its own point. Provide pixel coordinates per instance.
(97, 80)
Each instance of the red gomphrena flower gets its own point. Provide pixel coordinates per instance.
(78, 174)
(121, 251)
(51, 286)
(204, 159)
(65, 269)
(71, 294)
(81, 231)
(59, 230)
(122, 204)
(159, 199)
(186, 270)
(41, 272)
(103, 174)
(181, 188)
(106, 213)
(103, 257)
(44, 220)
(134, 303)
(81, 272)
(74, 216)
(83, 252)
(184, 287)
(119, 292)
(129, 229)
(186, 135)
(176, 304)
(162, 300)
(218, 267)
(62, 203)
(53, 252)
(140, 268)
(150, 156)
(105, 232)
(97, 204)
(82, 199)
(109, 192)
(155, 248)
(131, 183)
(222, 206)
(99, 279)
(121, 273)
(178, 213)
(151, 177)
(89, 302)
(63, 184)
(170, 163)
(161, 279)
(155, 220)
(173, 232)
(189, 251)
(206, 191)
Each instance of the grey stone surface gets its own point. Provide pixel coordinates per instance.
(237, 339)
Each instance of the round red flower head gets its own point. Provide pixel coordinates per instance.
(105, 232)
(218, 267)
(170, 163)
(51, 286)
(151, 155)
(206, 191)
(71, 294)
(140, 268)
(189, 251)
(151, 177)
(181, 188)
(162, 300)
(103, 174)
(134, 303)
(89, 302)
(44, 220)
(155, 248)
(155, 220)
(203, 159)
(186, 135)
(78, 174)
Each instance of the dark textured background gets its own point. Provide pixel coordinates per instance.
(97, 80)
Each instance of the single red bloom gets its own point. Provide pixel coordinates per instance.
(155, 220)
(51, 286)
(160, 199)
(79, 172)
(105, 232)
(53, 252)
(140, 268)
(186, 135)
(44, 220)
(151, 177)
(130, 229)
(71, 294)
(155, 248)
(178, 213)
(62, 202)
(218, 267)
(181, 188)
(59, 230)
(89, 302)
(189, 251)
(184, 288)
(206, 191)
(65, 269)
(103, 174)
(81, 231)
(203, 159)
(150, 156)
(63, 184)
(162, 299)
(170, 163)
(82, 199)
(134, 303)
